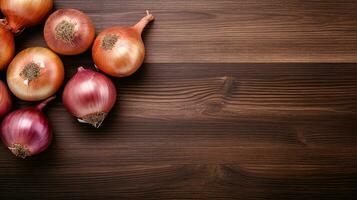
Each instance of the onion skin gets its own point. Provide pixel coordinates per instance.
(126, 54)
(82, 37)
(7, 47)
(50, 75)
(25, 13)
(89, 96)
(5, 99)
(26, 132)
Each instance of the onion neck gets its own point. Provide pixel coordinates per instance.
(12, 28)
(144, 22)
(80, 69)
(44, 103)
(5, 25)
(19, 150)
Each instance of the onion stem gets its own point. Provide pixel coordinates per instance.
(144, 22)
(45, 102)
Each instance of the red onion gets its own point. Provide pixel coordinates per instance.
(26, 132)
(5, 99)
(89, 96)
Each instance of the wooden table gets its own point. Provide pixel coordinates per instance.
(253, 99)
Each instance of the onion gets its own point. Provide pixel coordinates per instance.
(26, 132)
(35, 74)
(69, 32)
(119, 51)
(5, 99)
(89, 96)
(7, 46)
(25, 13)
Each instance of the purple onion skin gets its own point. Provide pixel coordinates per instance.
(26, 132)
(89, 96)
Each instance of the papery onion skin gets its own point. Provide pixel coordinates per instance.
(120, 51)
(25, 13)
(7, 47)
(69, 32)
(5, 99)
(89, 96)
(27, 132)
(35, 74)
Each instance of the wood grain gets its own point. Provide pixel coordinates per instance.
(248, 130)
(231, 31)
(236, 100)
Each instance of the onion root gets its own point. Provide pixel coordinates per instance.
(19, 150)
(95, 119)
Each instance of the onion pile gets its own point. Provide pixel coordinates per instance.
(19, 14)
(26, 132)
(119, 51)
(69, 32)
(37, 73)
(89, 96)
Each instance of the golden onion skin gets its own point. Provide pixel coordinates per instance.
(120, 51)
(25, 13)
(7, 47)
(82, 35)
(47, 74)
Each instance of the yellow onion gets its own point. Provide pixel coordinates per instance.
(7, 46)
(69, 32)
(25, 13)
(35, 74)
(119, 51)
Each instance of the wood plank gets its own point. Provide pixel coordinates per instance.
(236, 100)
(181, 182)
(317, 105)
(231, 31)
(258, 132)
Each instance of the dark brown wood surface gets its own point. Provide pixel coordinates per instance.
(253, 99)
